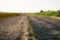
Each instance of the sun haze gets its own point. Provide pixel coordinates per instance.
(28, 5)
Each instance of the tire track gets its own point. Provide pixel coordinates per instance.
(26, 30)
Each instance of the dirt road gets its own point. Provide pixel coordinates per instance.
(29, 28)
(10, 27)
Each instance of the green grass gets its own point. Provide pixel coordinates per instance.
(46, 13)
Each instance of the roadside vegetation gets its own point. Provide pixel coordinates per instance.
(41, 13)
(6, 14)
(46, 13)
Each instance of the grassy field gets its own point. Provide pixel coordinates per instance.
(46, 13)
(6, 14)
(41, 13)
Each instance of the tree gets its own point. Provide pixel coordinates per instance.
(41, 11)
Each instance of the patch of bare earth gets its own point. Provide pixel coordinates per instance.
(45, 28)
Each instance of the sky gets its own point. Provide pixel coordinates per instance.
(28, 5)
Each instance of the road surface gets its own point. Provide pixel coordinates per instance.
(29, 28)
(45, 28)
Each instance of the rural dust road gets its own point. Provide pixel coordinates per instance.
(29, 28)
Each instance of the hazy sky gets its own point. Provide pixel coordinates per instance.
(28, 5)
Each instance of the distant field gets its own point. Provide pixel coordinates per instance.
(46, 13)
(6, 14)
(41, 13)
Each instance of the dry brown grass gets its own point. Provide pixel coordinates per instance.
(6, 14)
